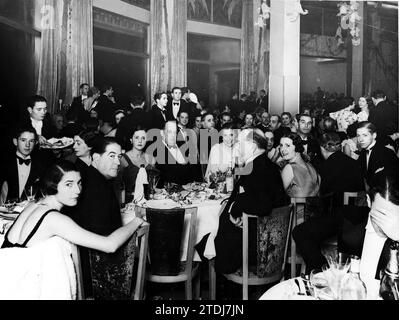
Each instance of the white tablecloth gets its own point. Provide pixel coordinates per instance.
(207, 222)
(287, 290)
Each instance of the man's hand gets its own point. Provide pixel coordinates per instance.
(236, 221)
(385, 221)
(42, 140)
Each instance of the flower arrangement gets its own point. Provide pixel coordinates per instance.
(350, 19)
(263, 14)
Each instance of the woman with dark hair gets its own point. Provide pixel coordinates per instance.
(350, 146)
(132, 160)
(42, 220)
(300, 178)
(82, 147)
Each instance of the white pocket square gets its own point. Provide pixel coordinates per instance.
(378, 170)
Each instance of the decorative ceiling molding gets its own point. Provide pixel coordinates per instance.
(115, 22)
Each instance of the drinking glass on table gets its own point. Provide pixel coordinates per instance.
(338, 266)
(30, 193)
(319, 284)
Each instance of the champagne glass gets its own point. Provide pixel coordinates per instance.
(338, 266)
(319, 284)
(30, 193)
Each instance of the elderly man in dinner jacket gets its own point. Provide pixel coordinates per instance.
(258, 190)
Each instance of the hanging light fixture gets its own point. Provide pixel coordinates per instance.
(350, 20)
(263, 15)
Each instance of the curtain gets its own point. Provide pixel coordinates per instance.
(50, 52)
(168, 44)
(79, 53)
(159, 47)
(179, 44)
(247, 74)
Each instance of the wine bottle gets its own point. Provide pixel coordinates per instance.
(389, 285)
(352, 287)
(229, 180)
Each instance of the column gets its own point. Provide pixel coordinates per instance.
(284, 84)
(357, 59)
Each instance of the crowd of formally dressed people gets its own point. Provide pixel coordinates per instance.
(279, 156)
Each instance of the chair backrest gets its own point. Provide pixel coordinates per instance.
(78, 269)
(273, 234)
(350, 195)
(113, 274)
(165, 239)
(4, 192)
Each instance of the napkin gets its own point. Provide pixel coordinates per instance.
(141, 179)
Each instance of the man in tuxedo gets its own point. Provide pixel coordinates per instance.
(375, 159)
(311, 145)
(77, 102)
(39, 119)
(175, 105)
(170, 159)
(251, 195)
(262, 101)
(98, 207)
(264, 125)
(157, 114)
(137, 117)
(182, 135)
(22, 170)
(106, 104)
(381, 229)
(84, 91)
(339, 173)
(383, 115)
(277, 129)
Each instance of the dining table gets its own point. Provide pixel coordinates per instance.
(300, 289)
(209, 204)
(8, 213)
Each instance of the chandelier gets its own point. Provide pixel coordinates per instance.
(350, 19)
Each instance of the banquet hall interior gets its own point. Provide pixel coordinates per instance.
(253, 62)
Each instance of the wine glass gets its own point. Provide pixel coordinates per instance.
(319, 284)
(338, 266)
(30, 193)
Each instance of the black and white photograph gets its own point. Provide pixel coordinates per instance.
(201, 156)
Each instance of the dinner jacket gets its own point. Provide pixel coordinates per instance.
(169, 109)
(340, 173)
(382, 162)
(263, 189)
(98, 207)
(171, 171)
(156, 119)
(9, 173)
(385, 117)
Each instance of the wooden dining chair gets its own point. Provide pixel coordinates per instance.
(4, 193)
(113, 274)
(165, 242)
(78, 270)
(273, 235)
(298, 207)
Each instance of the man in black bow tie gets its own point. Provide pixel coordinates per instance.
(21, 170)
(175, 105)
(375, 159)
(311, 145)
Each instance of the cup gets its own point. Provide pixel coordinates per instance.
(319, 284)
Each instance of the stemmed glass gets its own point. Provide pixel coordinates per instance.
(338, 266)
(319, 284)
(30, 193)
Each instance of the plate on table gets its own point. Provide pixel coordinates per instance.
(55, 143)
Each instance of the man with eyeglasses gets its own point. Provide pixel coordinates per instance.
(22, 170)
